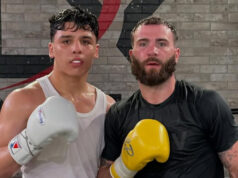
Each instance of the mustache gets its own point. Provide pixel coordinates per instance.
(153, 59)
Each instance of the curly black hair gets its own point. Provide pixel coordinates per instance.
(81, 18)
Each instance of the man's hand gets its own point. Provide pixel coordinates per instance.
(55, 117)
(147, 141)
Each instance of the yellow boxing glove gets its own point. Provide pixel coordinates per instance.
(149, 140)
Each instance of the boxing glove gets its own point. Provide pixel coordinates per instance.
(147, 141)
(56, 117)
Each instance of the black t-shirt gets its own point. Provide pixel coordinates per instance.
(199, 123)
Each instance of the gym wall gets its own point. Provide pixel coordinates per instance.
(208, 38)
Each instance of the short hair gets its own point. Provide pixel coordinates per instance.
(154, 21)
(81, 18)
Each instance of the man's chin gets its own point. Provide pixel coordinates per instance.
(152, 67)
(153, 80)
(152, 70)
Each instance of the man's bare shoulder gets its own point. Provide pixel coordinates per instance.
(17, 108)
(110, 101)
(24, 98)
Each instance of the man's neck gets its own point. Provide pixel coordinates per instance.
(67, 85)
(158, 94)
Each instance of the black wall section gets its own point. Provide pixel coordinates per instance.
(21, 66)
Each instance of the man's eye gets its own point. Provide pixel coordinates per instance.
(66, 42)
(162, 44)
(142, 44)
(86, 42)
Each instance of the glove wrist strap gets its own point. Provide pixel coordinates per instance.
(119, 170)
(21, 150)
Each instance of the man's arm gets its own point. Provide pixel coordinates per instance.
(11, 123)
(138, 149)
(104, 170)
(24, 123)
(8, 166)
(229, 159)
(13, 119)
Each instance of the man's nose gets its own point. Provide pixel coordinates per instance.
(77, 47)
(153, 50)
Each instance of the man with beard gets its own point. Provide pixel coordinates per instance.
(202, 131)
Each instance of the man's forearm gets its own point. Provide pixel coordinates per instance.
(7, 164)
(104, 170)
(229, 159)
(104, 173)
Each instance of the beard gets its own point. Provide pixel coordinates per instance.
(153, 77)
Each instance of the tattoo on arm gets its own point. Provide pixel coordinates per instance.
(229, 159)
(226, 158)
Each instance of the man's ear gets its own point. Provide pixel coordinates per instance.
(130, 55)
(177, 54)
(130, 52)
(51, 50)
(96, 55)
